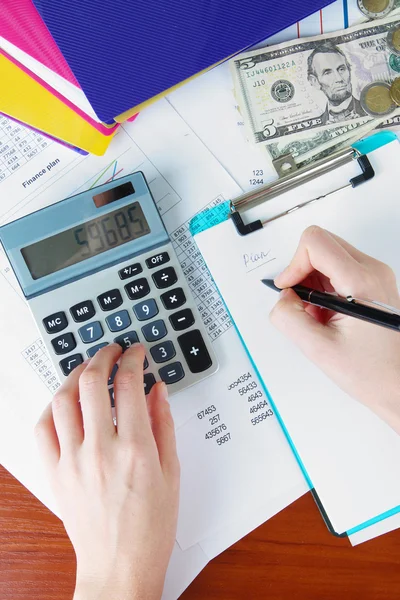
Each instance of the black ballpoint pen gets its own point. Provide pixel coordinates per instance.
(385, 316)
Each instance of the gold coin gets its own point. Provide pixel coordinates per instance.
(375, 9)
(395, 91)
(393, 40)
(376, 99)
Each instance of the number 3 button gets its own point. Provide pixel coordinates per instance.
(154, 331)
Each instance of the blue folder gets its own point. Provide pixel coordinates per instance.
(124, 53)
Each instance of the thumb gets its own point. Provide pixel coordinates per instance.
(290, 317)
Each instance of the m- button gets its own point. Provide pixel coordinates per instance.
(55, 322)
(110, 300)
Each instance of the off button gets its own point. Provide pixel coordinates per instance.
(157, 260)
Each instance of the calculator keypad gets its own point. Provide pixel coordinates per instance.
(83, 311)
(91, 332)
(56, 322)
(145, 310)
(63, 343)
(92, 351)
(68, 364)
(173, 299)
(118, 321)
(165, 277)
(154, 331)
(137, 289)
(110, 300)
(145, 301)
(163, 352)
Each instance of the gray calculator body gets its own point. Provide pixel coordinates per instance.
(99, 268)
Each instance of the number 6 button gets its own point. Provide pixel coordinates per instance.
(154, 331)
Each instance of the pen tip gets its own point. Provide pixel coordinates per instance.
(270, 283)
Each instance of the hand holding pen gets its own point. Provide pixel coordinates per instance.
(363, 359)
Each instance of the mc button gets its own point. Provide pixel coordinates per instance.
(55, 322)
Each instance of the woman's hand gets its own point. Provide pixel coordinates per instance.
(362, 358)
(117, 488)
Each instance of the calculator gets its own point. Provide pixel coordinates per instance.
(98, 268)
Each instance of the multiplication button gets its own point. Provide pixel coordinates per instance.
(173, 299)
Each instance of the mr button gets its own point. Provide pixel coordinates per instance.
(55, 322)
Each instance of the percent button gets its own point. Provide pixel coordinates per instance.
(63, 343)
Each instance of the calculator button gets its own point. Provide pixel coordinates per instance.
(173, 299)
(127, 339)
(112, 375)
(195, 351)
(148, 382)
(55, 322)
(182, 319)
(63, 343)
(145, 310)
(163, 352)
(112, 398)
(137, 289)
(68, 364)
(110, 300)
(157, 259)
(130, 271)
(172, 373)
(82, 311)
(118, 321)
(92, 351)
(145, 363)
(165, 277)
(154, 331)
(91, 332)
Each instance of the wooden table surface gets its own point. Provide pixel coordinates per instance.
(292, 556)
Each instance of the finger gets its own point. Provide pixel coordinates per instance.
(162, 425)
(130, 401)
(67, 413)
(47, 439)
(291, 318)
(94, 396)
(360, 257)
(319, 250)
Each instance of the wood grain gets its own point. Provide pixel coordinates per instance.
(292, 556)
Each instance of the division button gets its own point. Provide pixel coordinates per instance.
(91, 332)
(137, 289)
(172, 373)
(68, 364)
(82, 311)
(195, 351)
(55, 323)
(148, 382)
(182, 319)
(157, 260)
(110, 300)
(165, 277)
(63, 343)
(173, 299)
(163, 352)
(92, 351)
(130, 271)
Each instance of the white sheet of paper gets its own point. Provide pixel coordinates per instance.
(353, 476)
(373, 531)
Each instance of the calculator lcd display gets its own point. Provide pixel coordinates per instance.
(85, 240)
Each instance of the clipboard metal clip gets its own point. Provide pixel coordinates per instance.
(293, 180)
